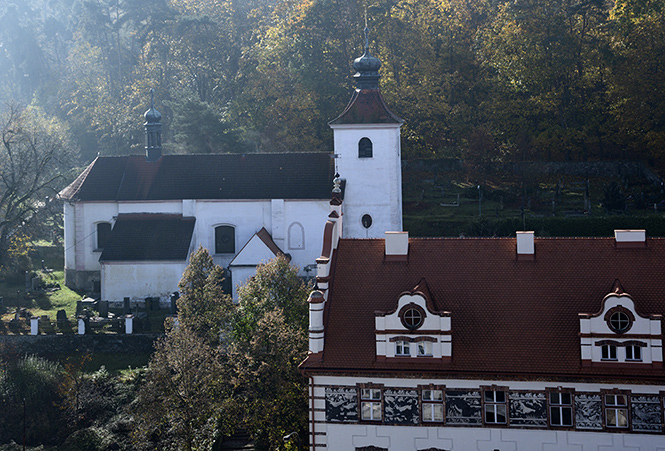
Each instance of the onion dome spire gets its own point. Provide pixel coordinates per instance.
(153, 131)
(367, 67)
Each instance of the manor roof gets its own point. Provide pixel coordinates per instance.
(510, 317)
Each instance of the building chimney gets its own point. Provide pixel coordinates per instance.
(525, 246)
(397, 246)
(630, 238)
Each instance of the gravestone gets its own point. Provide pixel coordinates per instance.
(174, 305)
(126, 307)
(79, 307)
(104, 309)
(61, 318)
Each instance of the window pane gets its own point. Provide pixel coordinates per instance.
(622, 418)
(365, 393)
(225, 241)
(376, 394)
(103, 234)
(500, 396)
(567, 414)
(555, 415)
(438, 412)
(367, 411)
(611, 417)
(376, 411)
(428, 412)
(500, 413)
(438, 395)
(565, 398)
(489, 414)
(427, 395)
(489, 396)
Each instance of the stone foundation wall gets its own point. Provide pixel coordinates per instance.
(49, 345)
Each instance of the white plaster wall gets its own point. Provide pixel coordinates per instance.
(344, 437)
(248, 217)
(240, 276)
(70, 235)
(407, 438)
(140, 280)
(373, 185)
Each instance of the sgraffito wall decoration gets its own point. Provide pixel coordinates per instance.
(463, 407)
(646, 413)
(401, 406)
(341, 405)
(588, 411)
(528, 409)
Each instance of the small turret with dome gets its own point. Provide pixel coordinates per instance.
(367, 67)
(153, 131)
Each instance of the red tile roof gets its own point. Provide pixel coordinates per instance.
(366, 107)
(509, 317)
(229, 176)
(149, 237)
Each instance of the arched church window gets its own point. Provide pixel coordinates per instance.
(225, 239)
(365, 148)
(103, 234)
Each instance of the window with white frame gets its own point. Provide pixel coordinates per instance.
(561, 409)
(495, 407)
(634, 352)
(370, 404)
(425, 348)
(432, 405)
(616, 411)
(402, 348)
(609, 352)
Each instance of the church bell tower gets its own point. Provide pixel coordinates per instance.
(368, 156)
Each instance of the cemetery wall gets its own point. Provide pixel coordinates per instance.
(49, 345)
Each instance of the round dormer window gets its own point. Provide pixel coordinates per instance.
(412, 316)
(620, 322)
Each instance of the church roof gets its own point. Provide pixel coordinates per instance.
(149, 237)
(509, 317)
(218, 176)
(366, 107)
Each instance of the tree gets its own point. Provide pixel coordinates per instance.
(180, 402)
(31, 399)
(269, 341)
(203, 307)
(35, 158)
(180, 405)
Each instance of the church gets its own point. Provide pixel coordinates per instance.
(489, 344)
(131, 222)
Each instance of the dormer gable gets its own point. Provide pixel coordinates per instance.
(618, 334)
(415, 329)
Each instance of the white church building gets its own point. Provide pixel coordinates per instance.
(131, 222)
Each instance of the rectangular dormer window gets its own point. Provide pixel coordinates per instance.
(633, 353)
(616, 411)
(402, 348)
(425, 348)
(609, 352)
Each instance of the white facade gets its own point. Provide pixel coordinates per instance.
(295, 226)
(373, 184)
(358, 434)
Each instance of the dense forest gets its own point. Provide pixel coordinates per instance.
(480, 80)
